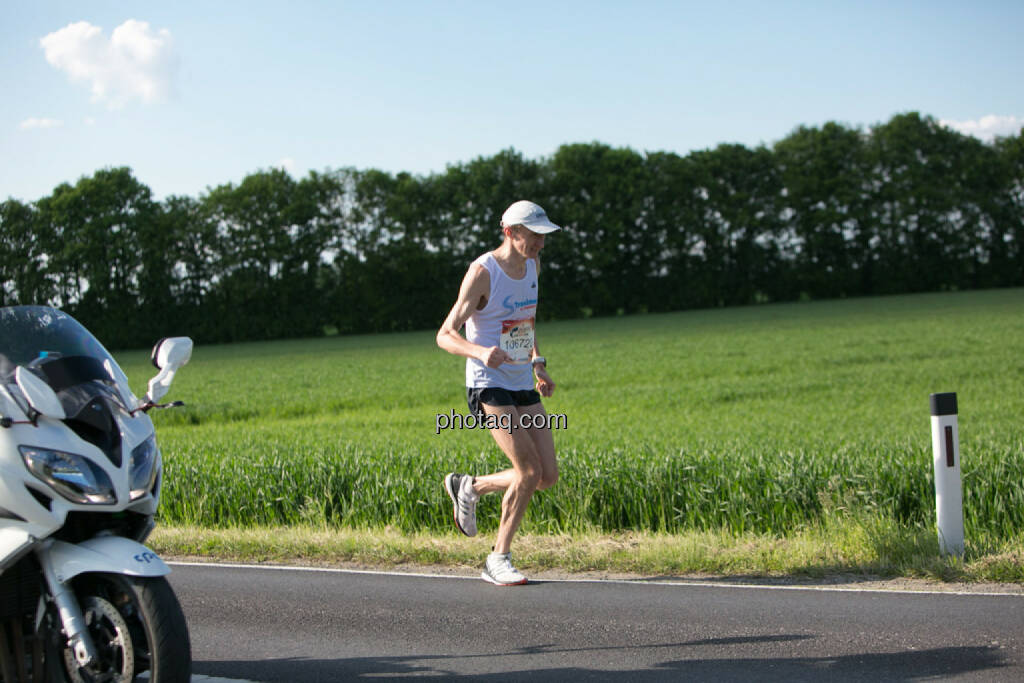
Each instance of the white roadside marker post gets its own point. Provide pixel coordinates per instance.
(949, 498)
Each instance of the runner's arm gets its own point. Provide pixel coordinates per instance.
(475, 288)
(545, 385)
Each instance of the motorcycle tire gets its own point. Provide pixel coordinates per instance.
(138, 626)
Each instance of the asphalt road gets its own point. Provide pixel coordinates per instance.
(266, 624)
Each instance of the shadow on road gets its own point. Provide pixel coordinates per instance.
(901, 666)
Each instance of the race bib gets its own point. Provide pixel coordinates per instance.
(517, 339)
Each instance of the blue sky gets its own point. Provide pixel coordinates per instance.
(192, 95)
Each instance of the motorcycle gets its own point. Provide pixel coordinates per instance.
(82, 600)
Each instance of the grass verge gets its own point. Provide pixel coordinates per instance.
(872, 548)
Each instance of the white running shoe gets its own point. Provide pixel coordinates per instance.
(464, 498)
(499, 570)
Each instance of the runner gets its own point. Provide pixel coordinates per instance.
(497, 303)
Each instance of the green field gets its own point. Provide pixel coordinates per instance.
(763, 425)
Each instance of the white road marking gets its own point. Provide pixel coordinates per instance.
(632, 582)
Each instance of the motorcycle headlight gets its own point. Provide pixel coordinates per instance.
(143, 467)
(75, 477)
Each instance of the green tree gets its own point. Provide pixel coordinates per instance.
(23, 256)
(1005, 247)
(272, 233)
(603, 260)
(674, 201)
(827, 221)
(739, 251)
(923, 209)
(94, 234)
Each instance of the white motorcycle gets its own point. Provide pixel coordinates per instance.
(81, 598)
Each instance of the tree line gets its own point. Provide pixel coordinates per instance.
(827, 212)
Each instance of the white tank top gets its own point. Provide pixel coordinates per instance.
(507, 321)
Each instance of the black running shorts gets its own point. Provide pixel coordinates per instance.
(496, 396)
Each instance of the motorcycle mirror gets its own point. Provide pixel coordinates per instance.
(168, 355)
(171, 351)
(40, 396)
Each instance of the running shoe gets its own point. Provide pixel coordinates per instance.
(464, 498)
(499, 570)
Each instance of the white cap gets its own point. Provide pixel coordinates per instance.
(529, 215)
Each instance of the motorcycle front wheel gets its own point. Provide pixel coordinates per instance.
(137, 625)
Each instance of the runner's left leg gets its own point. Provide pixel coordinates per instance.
(543, 441)
(532, 453)
(520, 482)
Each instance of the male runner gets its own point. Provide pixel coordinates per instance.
(497, 303)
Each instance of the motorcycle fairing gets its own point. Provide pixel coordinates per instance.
(107, 555)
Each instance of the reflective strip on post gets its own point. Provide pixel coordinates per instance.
(949, 507)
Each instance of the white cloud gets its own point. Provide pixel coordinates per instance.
(987, 128)
(287, 164)
(135, 63)
(34, 123)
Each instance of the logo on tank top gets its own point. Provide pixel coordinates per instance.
(510, 305)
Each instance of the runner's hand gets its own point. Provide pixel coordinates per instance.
(545, 385)
(494, 357)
